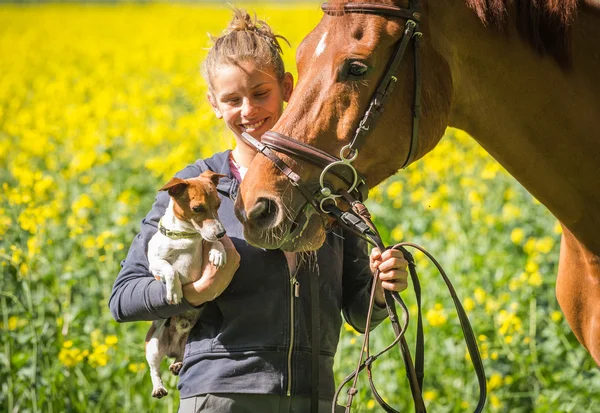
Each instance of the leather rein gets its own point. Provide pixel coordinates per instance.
(357, 219)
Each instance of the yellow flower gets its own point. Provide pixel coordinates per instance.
(529, 246)
(394, 189)
(535, 279)
(13, 322)
(544, 245)
(370, 404)
(436, 316)
(70, 357)
(556, 316)
(397, 233)
(83, 203)
(99, 357)
(531, 266)
(418, 194)
(469, 304)
(494, 381)
(495, 402)
(475, 197)
(557, 228)
(430, 395)
(509, 194)
(133, 367)
(517, 235)
(111, 340)
(479, 295)
(510, 212)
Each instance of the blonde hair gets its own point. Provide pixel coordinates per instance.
(245, 39)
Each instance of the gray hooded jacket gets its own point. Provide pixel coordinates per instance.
(255, 337)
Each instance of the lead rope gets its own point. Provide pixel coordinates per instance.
(315, 327)
(368, 231)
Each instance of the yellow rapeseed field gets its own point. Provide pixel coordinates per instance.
(100, 104)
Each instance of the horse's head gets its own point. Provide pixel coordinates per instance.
(340, 65)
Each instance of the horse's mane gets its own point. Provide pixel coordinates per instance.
(545, 24)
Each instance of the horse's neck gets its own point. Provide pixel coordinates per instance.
(540, 122)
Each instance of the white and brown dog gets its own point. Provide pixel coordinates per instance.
(175, 257)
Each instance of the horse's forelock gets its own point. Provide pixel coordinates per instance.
(545, 24)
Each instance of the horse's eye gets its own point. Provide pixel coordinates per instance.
(198, 209)
(357, 69)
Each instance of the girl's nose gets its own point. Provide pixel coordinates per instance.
(248, 108)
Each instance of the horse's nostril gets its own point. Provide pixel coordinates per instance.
(264, 213)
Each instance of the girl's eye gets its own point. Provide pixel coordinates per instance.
(198, 209)
(357, 69)
(232, 101)
(261, 94)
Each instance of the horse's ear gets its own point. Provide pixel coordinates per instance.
(213, 103)
(175, 186)
(213, 176)
(288, 86)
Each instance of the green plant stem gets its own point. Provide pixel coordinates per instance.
(7, 352)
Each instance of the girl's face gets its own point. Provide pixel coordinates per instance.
(248, 98)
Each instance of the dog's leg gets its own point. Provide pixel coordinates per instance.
(154, 355)
(175, 367)
(216, 255)
(161, 269)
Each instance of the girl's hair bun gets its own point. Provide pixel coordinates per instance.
(243, 21)
(246, 38)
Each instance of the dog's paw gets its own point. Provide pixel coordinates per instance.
(176, 368)
(159, 392)
(217, 257)
(174, 297)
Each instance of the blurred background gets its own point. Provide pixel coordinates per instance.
(101, 103)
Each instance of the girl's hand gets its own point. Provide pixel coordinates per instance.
(214, 280)
(393, 275)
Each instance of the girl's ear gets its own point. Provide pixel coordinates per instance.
(288, 86)
(213, 103)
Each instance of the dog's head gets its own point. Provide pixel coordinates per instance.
(195, 200)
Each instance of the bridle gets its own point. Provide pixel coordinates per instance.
(342, 167)
(357, 219)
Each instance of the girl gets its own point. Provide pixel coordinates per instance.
(250, 349)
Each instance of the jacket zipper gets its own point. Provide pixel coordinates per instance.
(294, 292)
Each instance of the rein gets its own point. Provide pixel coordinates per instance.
(357, 218)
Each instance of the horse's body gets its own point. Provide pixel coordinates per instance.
(538, 114)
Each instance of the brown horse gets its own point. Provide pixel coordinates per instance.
(516, 75)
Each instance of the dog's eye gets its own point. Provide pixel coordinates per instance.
(198, 209)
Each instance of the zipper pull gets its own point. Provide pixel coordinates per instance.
(296, 289)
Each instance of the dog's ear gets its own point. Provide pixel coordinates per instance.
(175, 186)
(213, 176)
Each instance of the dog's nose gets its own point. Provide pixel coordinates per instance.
(221, 234)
